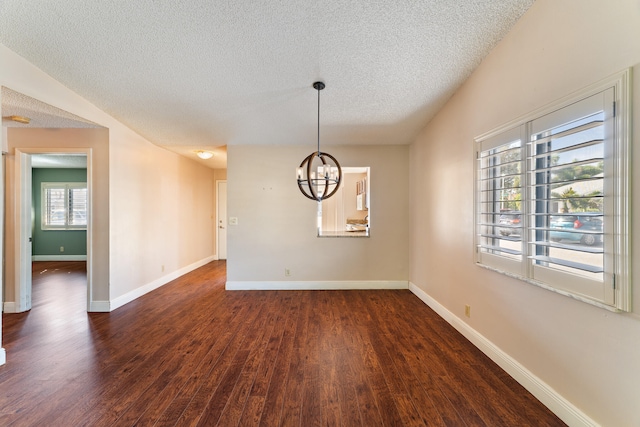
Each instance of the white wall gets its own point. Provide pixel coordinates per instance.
(588, 355)
(277, 226)
(161, 206)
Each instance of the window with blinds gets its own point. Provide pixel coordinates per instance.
(569, 212)
(552, 194)
(64, 206)
(500, 181)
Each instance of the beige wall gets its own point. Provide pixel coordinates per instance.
(277, 224)
(45, 139)
(163, 214)
(588, 355)
(160, 206)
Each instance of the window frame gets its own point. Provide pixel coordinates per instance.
(44, 207)
(617, 262)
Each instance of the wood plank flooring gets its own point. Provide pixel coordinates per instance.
(193, 354)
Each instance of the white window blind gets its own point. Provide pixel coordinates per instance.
(500, 182)
(569, 200)
(552, 197)
(64, 206)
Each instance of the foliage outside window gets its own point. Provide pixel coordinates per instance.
(64, 206)
(552, 197)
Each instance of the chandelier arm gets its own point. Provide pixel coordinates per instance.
(304, 192)
(326, 180)
(337, 186)
(312, 190)
(306, 181)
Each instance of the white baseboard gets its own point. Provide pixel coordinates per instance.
(94, 306)
(99, 307)
(315, 285)
(59, 258)
(9, 307)
(144, 289)
(560, 406)
(3, 356)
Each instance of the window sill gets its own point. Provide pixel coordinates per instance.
(552, 289)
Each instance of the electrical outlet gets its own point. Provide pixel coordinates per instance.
(61, 248)
(467, 310)
(287, 272)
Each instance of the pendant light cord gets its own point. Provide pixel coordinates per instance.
(318, 122)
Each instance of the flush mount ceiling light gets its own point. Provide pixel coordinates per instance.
(19, 119)
(319, 175)
(204, 155)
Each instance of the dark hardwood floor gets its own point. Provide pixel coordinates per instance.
(191, 353)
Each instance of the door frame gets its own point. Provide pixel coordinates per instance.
(23, 221)
(218, 182)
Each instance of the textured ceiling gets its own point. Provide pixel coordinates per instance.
(203, 73)
(41, 115)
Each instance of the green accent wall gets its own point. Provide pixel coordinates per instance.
(48, 242)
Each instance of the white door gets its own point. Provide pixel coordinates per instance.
(23, 240)
(222, 219)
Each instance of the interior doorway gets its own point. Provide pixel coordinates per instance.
(46, 126)
(27, 220)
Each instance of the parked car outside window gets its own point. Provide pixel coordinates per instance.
(584, 228)
(510, 223)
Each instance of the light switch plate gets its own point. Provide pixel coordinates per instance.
(233, 220)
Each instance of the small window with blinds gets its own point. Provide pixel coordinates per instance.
(500, 180)
(64, 206)
(552, 198)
